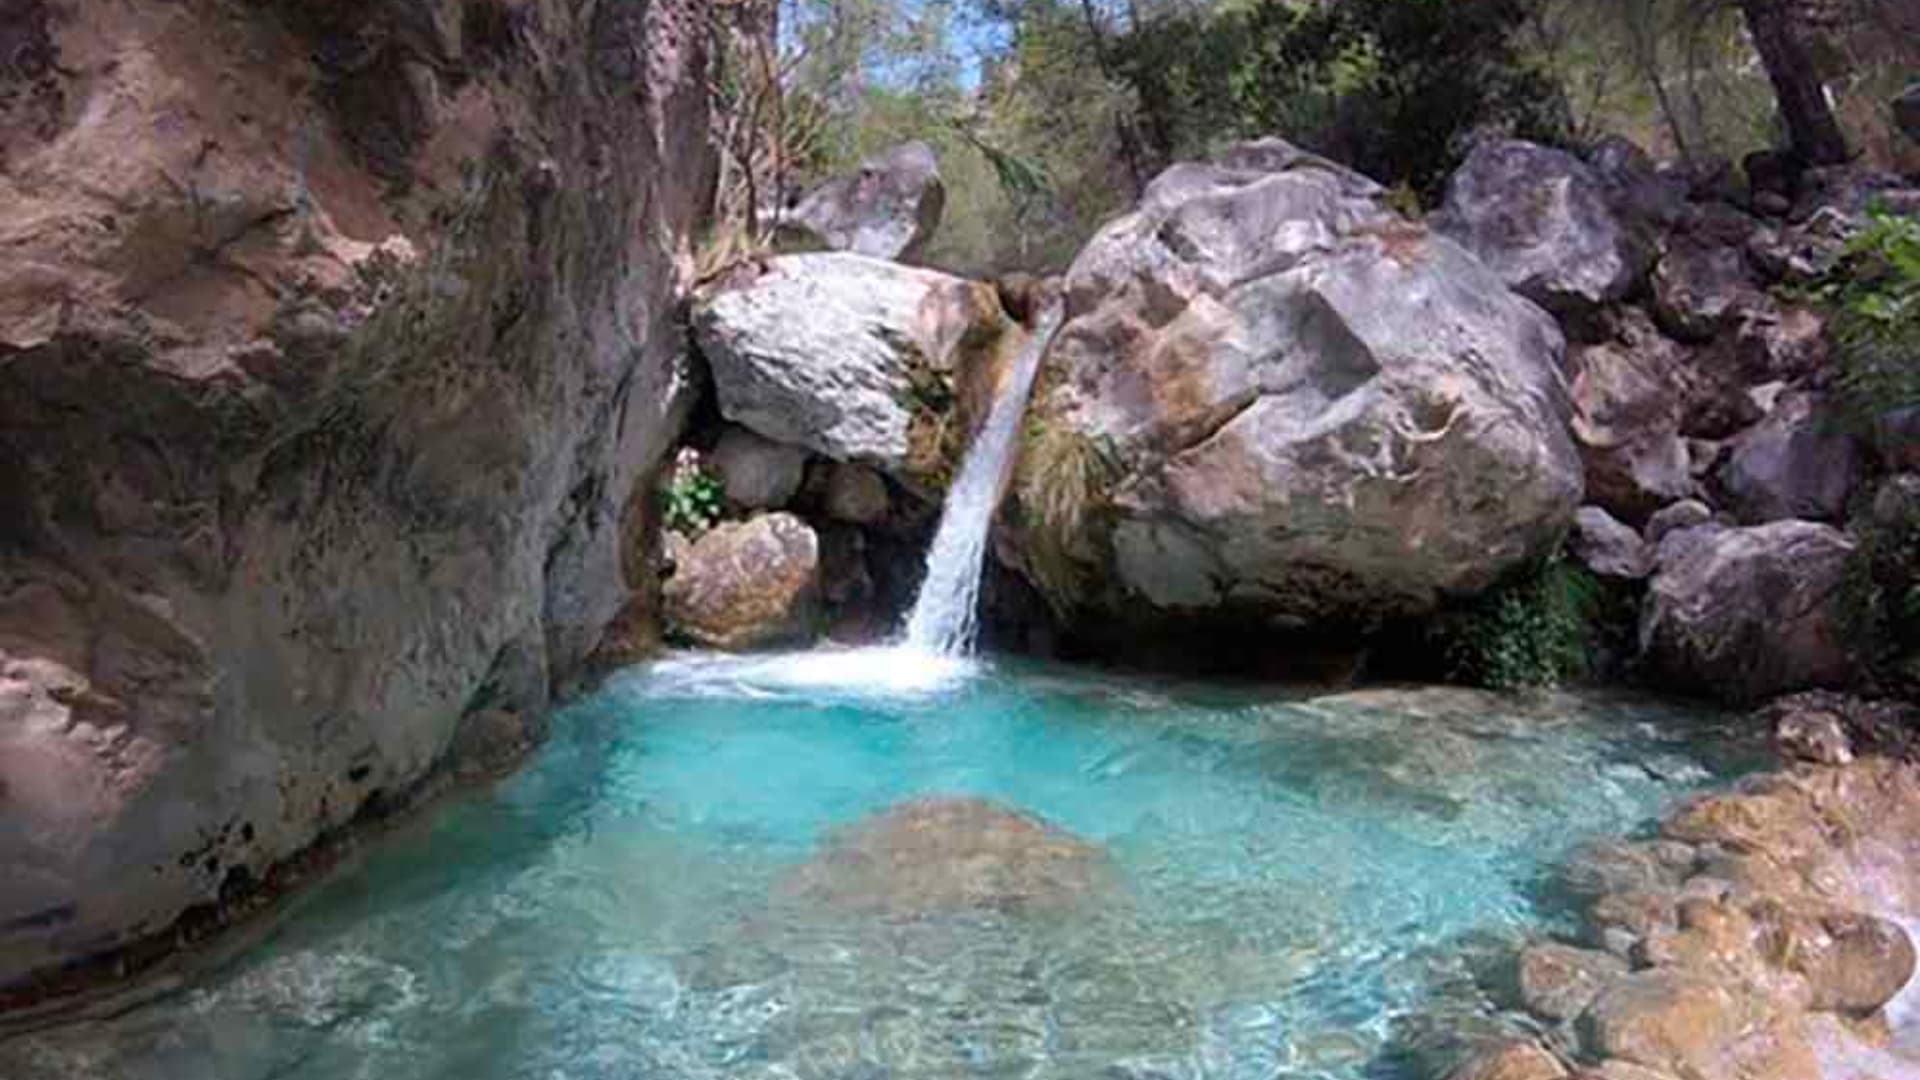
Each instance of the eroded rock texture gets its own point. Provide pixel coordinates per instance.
(1315, 409)
(333, 340)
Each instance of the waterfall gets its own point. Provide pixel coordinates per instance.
(944, 616)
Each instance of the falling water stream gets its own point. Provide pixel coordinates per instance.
(945, 615)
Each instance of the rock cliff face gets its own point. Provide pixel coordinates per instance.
(333, 341)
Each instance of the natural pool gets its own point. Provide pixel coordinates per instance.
(1282, 883)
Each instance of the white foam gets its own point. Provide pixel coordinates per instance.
(890, 669)
(944, 614)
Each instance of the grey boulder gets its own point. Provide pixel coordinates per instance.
(1745, 613)
(843, 354)
(1316, 408)
(1794, 464)
(758, 473)
(1606, 546)
(1540, 218)
(889, 209)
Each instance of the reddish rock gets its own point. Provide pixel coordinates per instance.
(333, 339)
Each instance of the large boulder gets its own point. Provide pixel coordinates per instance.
(1663, 1019)
(1540, 218)
(889, 209)
(949, 853)
(1797, 463)
(848, 356)
(333, 339)
(1629, 397)
(1313, 408)
(747, 584)
(1702, 286)
(1744, 613)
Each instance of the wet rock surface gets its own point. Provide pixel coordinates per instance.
(325, 380)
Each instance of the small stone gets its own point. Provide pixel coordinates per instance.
(1512, 1061)
(1558, 982)
(1615, 1069)
(1812, 735)
(1685, 514)
(1639, 913)
(856, 494)
(1662, 1019)
(759, 474)
(1608, 547)
(1853, 963)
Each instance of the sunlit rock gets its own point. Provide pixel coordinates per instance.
(1313, 408)
(747, 584)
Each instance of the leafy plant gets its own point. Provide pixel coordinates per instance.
(1874, 292)
(1534, 630)
(693, 497)
(1879, 600)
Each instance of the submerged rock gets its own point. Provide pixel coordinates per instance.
(949, 853)
(1540, 218)
(851, 357)
(326, 374)
(889, 209)
(747, 584)
(1315, 409)
(1749, 612)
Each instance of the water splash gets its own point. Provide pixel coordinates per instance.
(945, 615)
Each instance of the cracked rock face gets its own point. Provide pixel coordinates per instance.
(1317, 409)
(329, 357)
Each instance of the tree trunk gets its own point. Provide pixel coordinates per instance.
(1814, 132)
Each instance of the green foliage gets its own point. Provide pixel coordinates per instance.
(1538, 629)
(1874, 293)
(692, 499)
(1391, 87)
(1879, 601)
(1062, 480)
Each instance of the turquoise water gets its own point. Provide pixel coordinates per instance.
(1285, 882)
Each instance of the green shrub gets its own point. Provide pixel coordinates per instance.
(1538, 629)
(693, 498)
(1879, 602)
(1874, 295)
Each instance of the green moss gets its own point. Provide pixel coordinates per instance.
(1541, 628)
(1873, 294)
(1063, 483)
